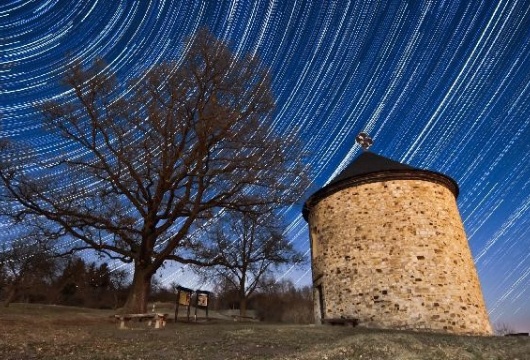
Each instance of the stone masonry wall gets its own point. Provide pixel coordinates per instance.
(394, 254)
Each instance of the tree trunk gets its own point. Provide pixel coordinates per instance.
(11, 294)
(243, 307)
(139, 293)
(242, 303)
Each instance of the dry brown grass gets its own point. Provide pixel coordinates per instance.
(48, 332)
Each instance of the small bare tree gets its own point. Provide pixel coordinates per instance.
(502, 329)
(147, 164)
(247, 246)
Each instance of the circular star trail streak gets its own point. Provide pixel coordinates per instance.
(441, 85)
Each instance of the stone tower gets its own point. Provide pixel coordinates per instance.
(389, 249)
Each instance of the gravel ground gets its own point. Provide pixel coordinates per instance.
(53, 332)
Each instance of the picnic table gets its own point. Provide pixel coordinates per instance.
(156, 319)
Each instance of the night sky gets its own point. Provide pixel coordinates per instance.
(440, 85)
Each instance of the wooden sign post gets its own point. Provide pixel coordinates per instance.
(202, 301)
(183, 299)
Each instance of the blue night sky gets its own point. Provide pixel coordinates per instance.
(440, 85)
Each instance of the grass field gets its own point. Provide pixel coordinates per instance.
(53, 332)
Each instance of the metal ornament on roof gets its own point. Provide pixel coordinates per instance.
(364, 140)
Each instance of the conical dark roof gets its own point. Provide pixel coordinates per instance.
(368, 168)
(368, 163)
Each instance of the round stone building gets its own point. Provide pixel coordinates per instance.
(389, 250)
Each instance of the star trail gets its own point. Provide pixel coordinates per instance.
(440, 85)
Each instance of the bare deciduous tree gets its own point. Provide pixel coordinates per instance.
(502, 329)
(247, 246)
(147, 164)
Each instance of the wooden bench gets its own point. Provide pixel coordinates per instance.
(243, 318)
(159, 320)
(341, 321)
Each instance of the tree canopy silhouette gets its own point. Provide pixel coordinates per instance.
(150, 161)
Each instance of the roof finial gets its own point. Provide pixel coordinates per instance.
(364, 140)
